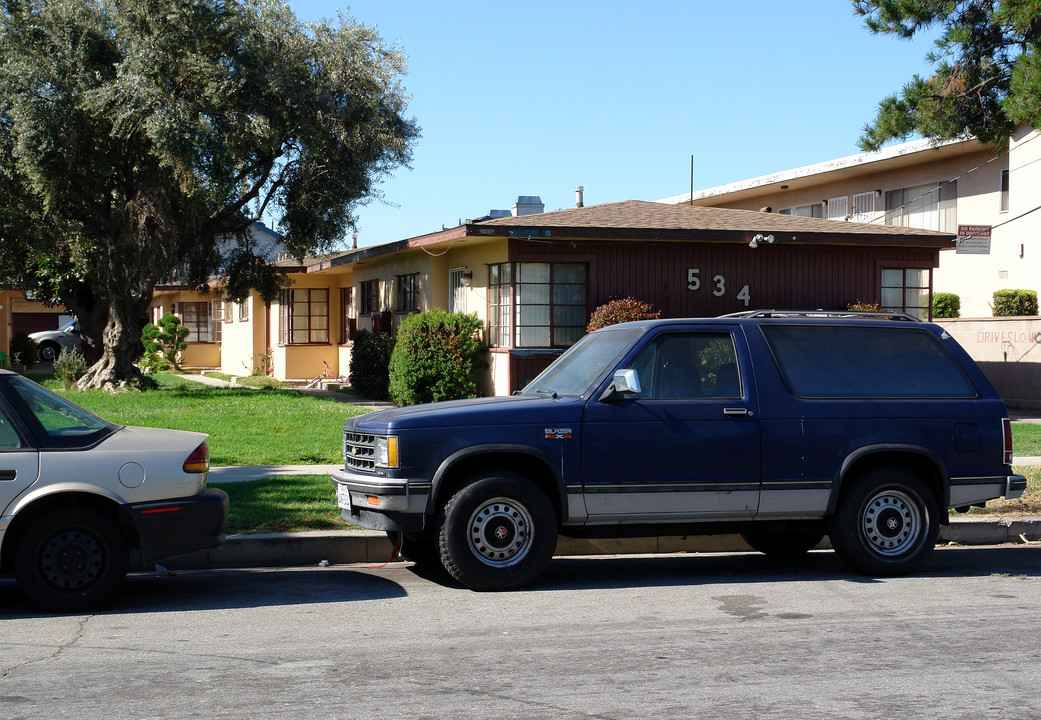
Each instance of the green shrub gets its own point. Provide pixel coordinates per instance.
(69, 367)
(1014, 303)
(621, 310)
(23, 350)
(946, 305)
(163, 343)
(370, 363)
(435, 357)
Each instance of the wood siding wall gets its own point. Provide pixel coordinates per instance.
(777, 276)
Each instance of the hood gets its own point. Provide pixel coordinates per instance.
(510, 410)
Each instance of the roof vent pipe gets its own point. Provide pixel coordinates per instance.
(354, 241)
(579, 192)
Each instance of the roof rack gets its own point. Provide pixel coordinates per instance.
(883, 314)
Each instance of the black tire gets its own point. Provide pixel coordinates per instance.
(886, 524)
(48, 352)
(783, 544)
(498, 532)
(71, 560)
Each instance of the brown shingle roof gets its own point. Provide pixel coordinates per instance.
(640, 215)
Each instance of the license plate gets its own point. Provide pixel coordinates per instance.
(343, 498)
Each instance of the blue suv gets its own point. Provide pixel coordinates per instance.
(781, 426)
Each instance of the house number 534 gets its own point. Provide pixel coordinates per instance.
(719, 285)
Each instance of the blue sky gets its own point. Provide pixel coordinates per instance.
(536, 97)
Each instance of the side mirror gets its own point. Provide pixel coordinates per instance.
(625, 382)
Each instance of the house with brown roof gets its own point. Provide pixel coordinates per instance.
(534, 280)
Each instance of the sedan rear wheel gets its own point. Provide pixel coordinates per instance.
(71, 559)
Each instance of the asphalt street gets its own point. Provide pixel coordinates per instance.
(720, 636)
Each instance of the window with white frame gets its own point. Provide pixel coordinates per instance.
(863, 207)
(838, 208)
(932, 206)
(456, 290)
(1004, 191)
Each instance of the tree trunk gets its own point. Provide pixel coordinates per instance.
(121, 341)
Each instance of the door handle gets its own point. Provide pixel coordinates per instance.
(8, 475)
(735, 412)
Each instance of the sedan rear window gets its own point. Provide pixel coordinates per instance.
(832, 361)
(58, 422)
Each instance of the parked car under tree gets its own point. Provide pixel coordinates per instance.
(83, 500)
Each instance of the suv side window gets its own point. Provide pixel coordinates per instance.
(677, 366)
(833, 361)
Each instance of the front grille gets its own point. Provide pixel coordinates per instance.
(359, 451)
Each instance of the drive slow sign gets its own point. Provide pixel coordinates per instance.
(974, 239)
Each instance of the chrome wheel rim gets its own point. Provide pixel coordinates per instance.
(892, 522)
(500, 532)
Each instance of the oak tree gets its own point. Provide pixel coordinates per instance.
(140, 139)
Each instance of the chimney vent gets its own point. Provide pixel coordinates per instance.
(579, 196)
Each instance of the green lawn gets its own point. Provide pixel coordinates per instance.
(1026, 439)
(247, 426)
(284, 504)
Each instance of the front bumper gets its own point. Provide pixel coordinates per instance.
(167, 528)
(381, 503)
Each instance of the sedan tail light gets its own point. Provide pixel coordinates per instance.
(198, 461)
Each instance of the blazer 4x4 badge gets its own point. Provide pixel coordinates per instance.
(558, 433)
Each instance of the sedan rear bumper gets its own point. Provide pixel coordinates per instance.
(167, 528)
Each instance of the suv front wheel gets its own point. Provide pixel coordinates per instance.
(887, 524)
(498, 532)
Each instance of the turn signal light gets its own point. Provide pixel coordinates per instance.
(198, 461)
(373, 499)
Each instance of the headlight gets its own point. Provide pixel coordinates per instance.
(387, 452)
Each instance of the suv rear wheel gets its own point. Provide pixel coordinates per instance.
(887, 524)
(497, 532)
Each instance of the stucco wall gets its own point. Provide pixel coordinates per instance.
(1008, 350)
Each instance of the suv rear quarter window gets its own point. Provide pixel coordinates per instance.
(869, 361)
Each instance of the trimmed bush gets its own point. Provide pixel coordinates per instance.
(946, 305)
(621, 310)
(370, 364)
(69, 367)
(163, 343)
(1014, 303)
(435, 357)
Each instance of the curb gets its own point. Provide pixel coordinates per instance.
(346, 547)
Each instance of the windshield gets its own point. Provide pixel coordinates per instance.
(61, 422)
(578, 370)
